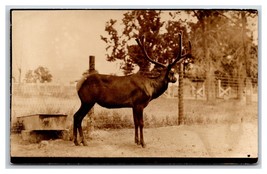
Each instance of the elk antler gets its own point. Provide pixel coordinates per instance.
(146, 55)
(180, 57)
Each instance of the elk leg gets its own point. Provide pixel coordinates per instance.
(138, 114)
(75, 135)
(75, 127)
(141, 125)
(83, 141)
(136, 139)
(77, 123)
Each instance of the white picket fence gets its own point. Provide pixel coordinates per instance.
(224, 90)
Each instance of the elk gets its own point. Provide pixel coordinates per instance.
(133, 91)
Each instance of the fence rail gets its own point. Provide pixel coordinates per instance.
(55, 98)
(33, 89)
(224, 88)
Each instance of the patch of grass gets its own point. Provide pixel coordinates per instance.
(230, 111)
(112, 120)
(160, 112)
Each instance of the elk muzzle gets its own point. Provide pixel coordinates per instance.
(171, 76)
(173, 79)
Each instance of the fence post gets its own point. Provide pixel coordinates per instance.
(248, 91)
(91, 64)
(181, 85)
(90, 125)
(181, 96)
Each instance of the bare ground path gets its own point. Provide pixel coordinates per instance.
(219, 140)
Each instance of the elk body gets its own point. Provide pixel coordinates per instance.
(133, 91)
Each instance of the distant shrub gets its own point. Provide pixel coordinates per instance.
(159, 113)
(17, 127)
(114, 120)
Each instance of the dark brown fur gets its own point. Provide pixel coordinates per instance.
(133, 91)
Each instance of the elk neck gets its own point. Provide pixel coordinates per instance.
(159, 84)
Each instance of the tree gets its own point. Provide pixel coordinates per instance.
(161, 39)
(43, 74)
(221, 42)
(242, 50)
(30, 77)
(221, 39)
(206, 38)
(40, 74)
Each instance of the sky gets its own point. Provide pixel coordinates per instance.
(62, 41)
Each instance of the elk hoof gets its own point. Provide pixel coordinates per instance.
(137, 142)
(76, 143)
(84, 143)
(143, 145)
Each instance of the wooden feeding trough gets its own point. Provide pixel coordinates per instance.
(44, 121)
(39, 127)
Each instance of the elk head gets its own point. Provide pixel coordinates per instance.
(180, 58)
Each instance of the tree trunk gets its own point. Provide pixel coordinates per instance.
(210, 86)
(240, 83)
(248, 91)
(245, 57)
(210, 81)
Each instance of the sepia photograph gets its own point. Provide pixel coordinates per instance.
(134, 86)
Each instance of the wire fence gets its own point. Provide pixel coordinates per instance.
(28, 99)
(221, 88)
(43, 89)
(226, 88)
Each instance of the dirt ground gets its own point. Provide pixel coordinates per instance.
(207, 140)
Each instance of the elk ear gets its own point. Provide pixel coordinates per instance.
(189, 47)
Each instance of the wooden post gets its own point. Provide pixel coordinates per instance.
(181, 86)
(90, 125)
(181, 96)
(91, 64)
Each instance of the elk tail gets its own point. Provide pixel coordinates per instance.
(80, 82)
